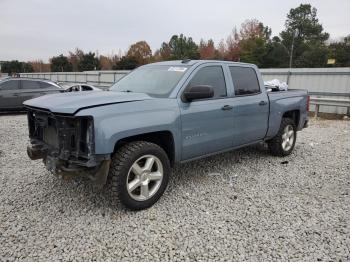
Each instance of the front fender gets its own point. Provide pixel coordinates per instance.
(115, 122)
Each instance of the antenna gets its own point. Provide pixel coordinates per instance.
(185, 61)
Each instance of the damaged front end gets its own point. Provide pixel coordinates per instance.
(66, 145)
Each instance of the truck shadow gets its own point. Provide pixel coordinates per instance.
(12, 113)
(228, 159)
(219, 164)
(184, 175)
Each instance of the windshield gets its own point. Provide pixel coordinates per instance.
(157, 81)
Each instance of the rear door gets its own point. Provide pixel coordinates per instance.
(207, 125)
(251, 106)
(10, 94)
(30, 89)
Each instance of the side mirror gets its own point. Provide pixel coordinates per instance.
(198, 92)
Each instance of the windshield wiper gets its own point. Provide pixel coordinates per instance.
(127, 91)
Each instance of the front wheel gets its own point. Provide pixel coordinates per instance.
(283, 143)
(139, 174)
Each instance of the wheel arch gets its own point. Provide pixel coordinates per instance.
(164, 139)
(294, 115)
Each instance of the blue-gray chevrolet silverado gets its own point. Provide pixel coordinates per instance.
(158, 115)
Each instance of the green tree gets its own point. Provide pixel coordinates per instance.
(60, 64)
(253, 51)
(316, 56)
(27, 67)
(277, 54)
(340, 51)
(180, 47)
(11, 67)
(88, 62)
(304, 29)
(253, 44)
(164, 52)
(126, 63)
(15, 66)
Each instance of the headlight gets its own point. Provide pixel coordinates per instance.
(87, 135)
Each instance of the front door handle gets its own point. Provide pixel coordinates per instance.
(262, 103)
(226, 107)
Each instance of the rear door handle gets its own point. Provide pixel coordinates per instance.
(262, 103)
(226, 107)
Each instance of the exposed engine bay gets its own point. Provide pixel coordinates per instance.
(66, 144)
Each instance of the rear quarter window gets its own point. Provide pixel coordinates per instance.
(46, 85)
(86, 88)
(245, 80)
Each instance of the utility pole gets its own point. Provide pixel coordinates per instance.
(291, 56)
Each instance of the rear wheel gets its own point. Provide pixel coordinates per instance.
(139, 174)
(283, 143)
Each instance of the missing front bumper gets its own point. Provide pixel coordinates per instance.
(98, 176)
(95, 168)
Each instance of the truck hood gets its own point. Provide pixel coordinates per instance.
(71, 103)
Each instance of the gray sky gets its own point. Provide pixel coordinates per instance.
(39, 29)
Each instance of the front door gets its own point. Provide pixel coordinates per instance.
(10, 94)
(207, 125)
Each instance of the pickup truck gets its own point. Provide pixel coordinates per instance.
(158, 115)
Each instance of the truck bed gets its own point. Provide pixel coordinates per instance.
(283, 101)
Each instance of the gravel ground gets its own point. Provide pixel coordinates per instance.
(241, 205)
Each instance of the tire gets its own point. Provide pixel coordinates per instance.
(133, 171)
(278, 145)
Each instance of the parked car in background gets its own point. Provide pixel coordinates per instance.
(74, 87)
(14, 91)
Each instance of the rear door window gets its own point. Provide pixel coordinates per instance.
(245, 80)
(30, 84)
(212, 76)
(9, 85)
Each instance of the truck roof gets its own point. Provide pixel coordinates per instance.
(190, 62)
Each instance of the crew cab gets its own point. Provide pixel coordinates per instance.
(158, 115)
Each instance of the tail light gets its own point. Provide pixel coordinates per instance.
(308, 103)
